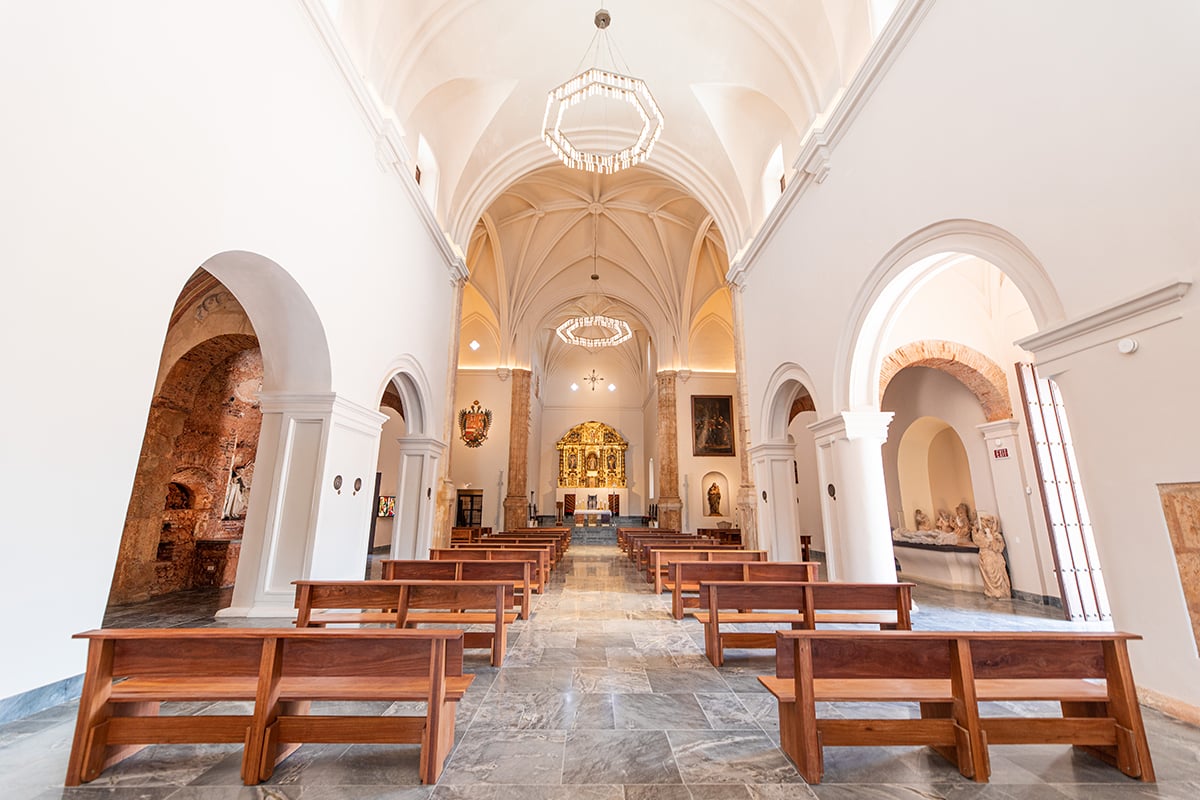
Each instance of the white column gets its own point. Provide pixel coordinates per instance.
(299, 524)
(415, 497)
(858, 535)
(778, 532)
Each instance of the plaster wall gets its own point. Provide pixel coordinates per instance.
(808, 483)
(388, 468)
(483, 467)
(692, 468)
(127, 130)
(997, 140)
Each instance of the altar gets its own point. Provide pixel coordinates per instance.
(592, 516)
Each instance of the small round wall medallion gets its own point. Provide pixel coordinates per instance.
(832, 491)
(764, 495)
(337, 483)
(357, 485)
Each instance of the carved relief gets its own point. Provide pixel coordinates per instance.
(591, 455)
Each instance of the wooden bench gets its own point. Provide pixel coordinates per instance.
(634, 545)
(686, 576)
(660, 557)
(539, 578)
(624, 535)
(800, 605)
(515, 572)
(722, 535)
(465, 535)
(131, 671)
(503, 539)
(949, 674)
(407, 604)
(645, 555)
(555, 530)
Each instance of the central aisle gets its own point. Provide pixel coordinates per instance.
(602, 690)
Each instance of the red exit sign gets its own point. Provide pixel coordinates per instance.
(1000, 452)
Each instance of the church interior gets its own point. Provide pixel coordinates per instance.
(896, 288)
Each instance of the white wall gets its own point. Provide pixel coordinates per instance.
(140, 139)
(1079, 144)
(693, 467)
(481, 467)
(807, 482)
(388, 468)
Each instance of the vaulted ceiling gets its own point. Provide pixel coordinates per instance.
(739, 82)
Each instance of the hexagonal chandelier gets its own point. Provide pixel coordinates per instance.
(597, 82)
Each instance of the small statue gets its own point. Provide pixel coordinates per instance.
(992, 567)
(963, 522)
(714, 501)
(944, 523)
(921, 520)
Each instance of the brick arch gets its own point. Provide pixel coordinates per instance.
(391, 399)
(982, 376)
(803, 402)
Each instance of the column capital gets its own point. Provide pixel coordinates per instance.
(324, 406)
(770, 450)
(423, 445)
(852, 425)
(999, 428)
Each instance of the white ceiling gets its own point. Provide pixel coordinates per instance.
(737, 80)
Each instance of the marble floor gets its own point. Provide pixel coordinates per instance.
(602, 696)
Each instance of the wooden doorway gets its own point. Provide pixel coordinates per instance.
(1077, 564)
(470, 508)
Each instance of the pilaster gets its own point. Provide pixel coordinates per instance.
(670, 507)
(516, 501)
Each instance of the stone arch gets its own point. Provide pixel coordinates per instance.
(406, 390)
(982, 376)
(789, 391)
(903, 270)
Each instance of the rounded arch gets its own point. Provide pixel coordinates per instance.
(903, 270)
(407, 380)
(294, 346)
(982, 376)
(788, 383)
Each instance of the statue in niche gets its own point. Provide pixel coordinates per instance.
(992, 566)
(944, 524)
(612, 462)
(572, 460)
(237, 493)
(921, 520)
(963, 521)
(592, 462)
(714, 501)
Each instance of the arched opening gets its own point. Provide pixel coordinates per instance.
(187, 509)
(933, 474)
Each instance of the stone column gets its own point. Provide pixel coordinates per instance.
(858, 533)
(516, 503)
(670, 507)
(746, 504)
(444, 508)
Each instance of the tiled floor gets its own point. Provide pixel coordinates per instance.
(602, 697)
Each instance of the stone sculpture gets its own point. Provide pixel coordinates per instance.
(921, 520)
(992, 567)
(714, 501)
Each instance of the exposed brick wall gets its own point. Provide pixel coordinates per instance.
(392, 400)
(972, 369)
(803, 402)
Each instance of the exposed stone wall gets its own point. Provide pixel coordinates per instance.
(977, 372)
(516, 501)
(669, 505)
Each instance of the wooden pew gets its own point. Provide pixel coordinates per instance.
(540, 556)
(624, 534)
(635, 542)
(499, 543)
(559, 531)
(686, 576)
(645, 552)
(132, 671)
(465, 535)
(949, 674)
(407, 604)
(657, 558)
(801, 605)
(722, 535)
(514, 572)
(529, 540)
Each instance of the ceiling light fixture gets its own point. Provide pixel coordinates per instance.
(595, 329)
(474, 345)
(593, 379)
(574, 387)
(612, 387)
(598, 81)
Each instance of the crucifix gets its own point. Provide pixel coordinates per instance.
(593, 379)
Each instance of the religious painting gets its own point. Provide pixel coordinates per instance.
(712, 425)
(387, 505)
(473, 424)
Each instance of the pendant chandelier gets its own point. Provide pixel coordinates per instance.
(600, 82)
(595, 329)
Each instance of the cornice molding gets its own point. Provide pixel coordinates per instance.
(813, 164)
(851, 425)
(329, 407)
(999, 429)
(1150, 309)
(771, 450)
(390, 151)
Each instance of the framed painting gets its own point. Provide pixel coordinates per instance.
(387, 505)
(712, 425)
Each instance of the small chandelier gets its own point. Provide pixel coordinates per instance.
(594, 82)
(595, 329)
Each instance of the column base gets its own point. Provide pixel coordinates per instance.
(516, 512)
(670, 513)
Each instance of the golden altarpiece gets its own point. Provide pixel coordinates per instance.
(592, 456)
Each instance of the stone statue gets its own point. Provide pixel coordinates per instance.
(992, 567)
(237, 495)
(944, 523)
(963, 523)
(714, 501)
(921, 520)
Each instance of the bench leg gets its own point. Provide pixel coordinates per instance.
(1132, 748)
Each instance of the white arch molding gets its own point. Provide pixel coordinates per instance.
(902, 270)
(782, 389)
